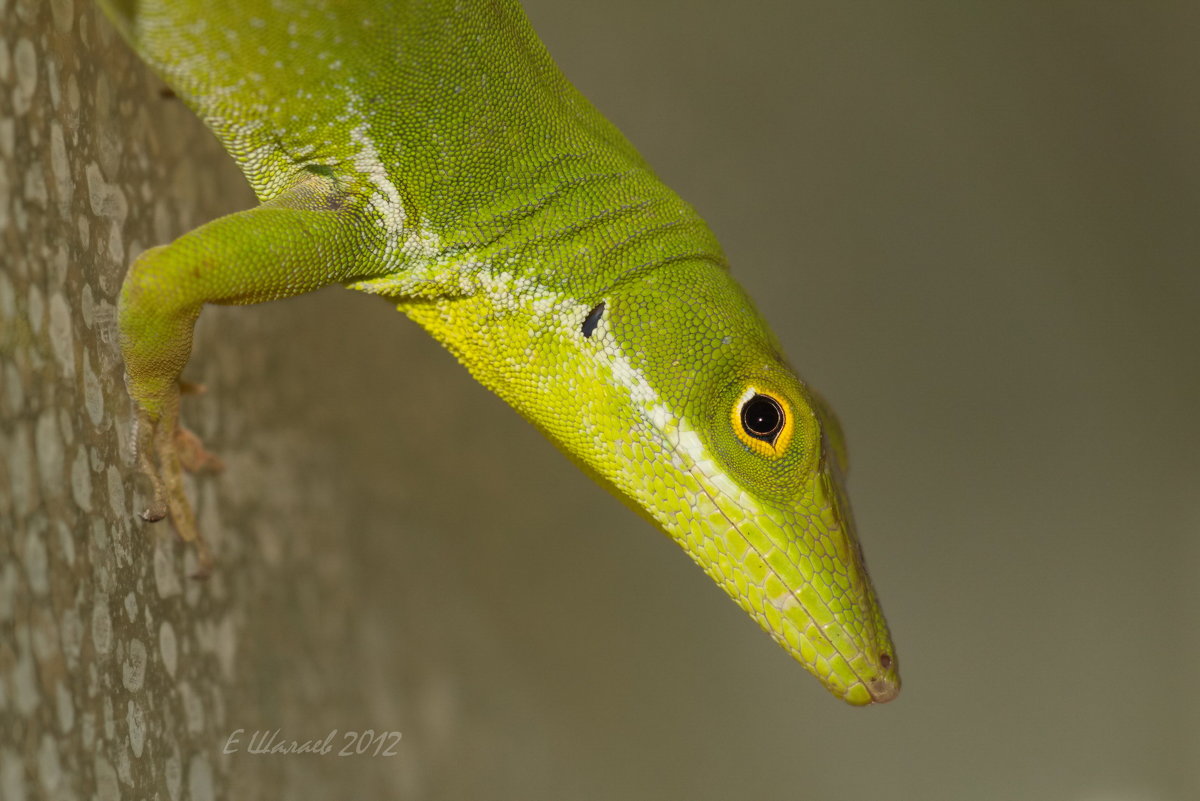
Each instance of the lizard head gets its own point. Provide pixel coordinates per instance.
(669, 389)
(722, 445)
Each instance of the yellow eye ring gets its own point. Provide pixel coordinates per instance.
(763, 422)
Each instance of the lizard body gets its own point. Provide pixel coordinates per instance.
(432, 152)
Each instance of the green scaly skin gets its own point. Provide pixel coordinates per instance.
(432, 153)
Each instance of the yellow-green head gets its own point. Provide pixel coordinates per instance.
(669, 389)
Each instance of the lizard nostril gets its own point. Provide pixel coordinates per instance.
(885, 660)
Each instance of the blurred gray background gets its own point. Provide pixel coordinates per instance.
(974, 226)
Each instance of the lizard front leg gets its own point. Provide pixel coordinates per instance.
(307, 238)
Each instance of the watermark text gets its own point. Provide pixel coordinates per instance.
(367, 742)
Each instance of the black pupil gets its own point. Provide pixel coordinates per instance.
(762, 417)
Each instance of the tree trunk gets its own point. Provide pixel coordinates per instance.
(326, 618)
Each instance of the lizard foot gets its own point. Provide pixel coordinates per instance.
(164, 450)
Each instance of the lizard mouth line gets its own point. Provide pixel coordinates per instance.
(879, 687)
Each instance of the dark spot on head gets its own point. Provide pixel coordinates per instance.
(885, 660)
(589, 323)
(167, 93)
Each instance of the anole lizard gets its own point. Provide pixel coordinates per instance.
(431, 152)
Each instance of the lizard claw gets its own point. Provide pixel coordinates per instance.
(164, 450)
(153, 513)
(193, 456)
(144, 436)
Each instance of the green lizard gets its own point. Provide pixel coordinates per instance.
(431, 152)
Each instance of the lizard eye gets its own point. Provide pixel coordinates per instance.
(761, 422)
(762, 418)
